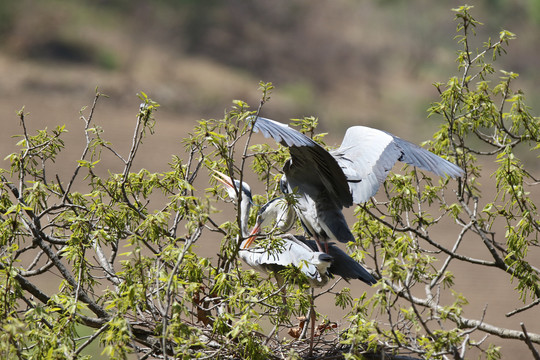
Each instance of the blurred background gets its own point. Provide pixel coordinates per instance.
(346, 62)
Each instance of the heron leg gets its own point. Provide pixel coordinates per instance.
(312, 321)
(311, 318)
(319, 247)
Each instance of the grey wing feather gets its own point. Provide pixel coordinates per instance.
(282, 133)
(294, 252)
(415, 155)
(367, 155)
(309, 159)
(333, 218)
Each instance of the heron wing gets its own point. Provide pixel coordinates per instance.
(310, 162)
(366, 156)
(332, 218)
(344, 265)
(348, 268)
(292, 253)
(282, 133)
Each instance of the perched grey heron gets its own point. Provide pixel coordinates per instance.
(313, 264)
(317, 266)
(280, 210)
(325, 182)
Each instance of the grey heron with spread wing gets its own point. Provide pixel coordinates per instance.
(325, 182)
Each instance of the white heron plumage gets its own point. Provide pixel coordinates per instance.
(317, 266)
(313, 264)
(325, 182)
(342, 265)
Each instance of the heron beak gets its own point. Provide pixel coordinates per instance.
(252, 236)
(224, 179)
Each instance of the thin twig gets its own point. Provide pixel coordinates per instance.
(529, 343)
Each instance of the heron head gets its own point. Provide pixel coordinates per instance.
(231, 189)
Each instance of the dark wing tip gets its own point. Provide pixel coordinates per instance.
(418, 156)
(369, 279)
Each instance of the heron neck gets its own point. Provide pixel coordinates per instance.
(245, 207)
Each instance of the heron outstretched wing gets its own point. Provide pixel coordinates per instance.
(366, 156)
(312, 169)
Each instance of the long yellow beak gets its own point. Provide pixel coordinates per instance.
(252, 236)
(222, 178)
